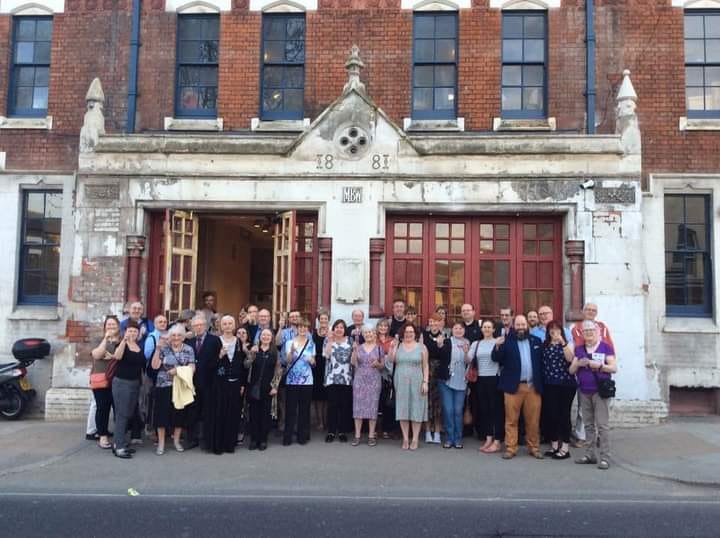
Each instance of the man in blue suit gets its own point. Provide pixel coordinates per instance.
(520, 356)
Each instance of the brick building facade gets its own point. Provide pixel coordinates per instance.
(532, 163)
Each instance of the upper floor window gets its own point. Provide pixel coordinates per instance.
(702, 63)
(524, 64)
(687, 255)
(434, 65)
(30, 71)
(197, 65)
(283, 63)
(40, 247)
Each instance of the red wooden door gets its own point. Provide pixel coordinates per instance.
(305, 273)
(491, 262)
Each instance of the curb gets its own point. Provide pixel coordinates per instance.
(626, 465)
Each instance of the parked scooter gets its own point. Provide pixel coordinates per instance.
(16, 392)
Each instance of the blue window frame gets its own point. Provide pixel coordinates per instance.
(688, 266)
(30, 66)
(434, 65)
(524, 64)
(197, 66)
(702, 63)
(40, 247)
(283, 67)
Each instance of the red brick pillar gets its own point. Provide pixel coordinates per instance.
(325, 248)
(377, 249)
(575, 252)
(135, 248)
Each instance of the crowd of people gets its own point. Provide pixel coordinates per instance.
(224, 381)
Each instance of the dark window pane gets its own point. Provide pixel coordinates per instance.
(534, 27)
(189, 98)
(444, 98)
(294, 77)
(424, 27)
(43, 30)
(25, 30)
(296, 28)
(424, 50)
(445, 75)
(210, 28)
(693, 26)
(42, 53)
(272, 77)
(272, 100)
(294, 100)
(207, 98)
(445, 26)
(24, 98)
(695, 98)
(35, 205)
(511, 98)
(512, 75)
(25, 76)
(24, 53)
(534, 50)
(42, 76)
(512, 50)
(34, 231)
(533, 75)
(712, 50)
(274, 28)
(695, 209)
(674, 208)
(423, 75)
(295, 51)
(712, 26)
(694, 51)
(423, 98)
(512, 27)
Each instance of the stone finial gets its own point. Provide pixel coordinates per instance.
(94, 121)
(353, 65)
(626, 121)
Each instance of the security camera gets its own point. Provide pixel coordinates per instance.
(589, 184)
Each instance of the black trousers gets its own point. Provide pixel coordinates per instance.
(103, 404)
(260, 420)
(339, 409)
(197, 414)
(490, 407)
(557, 402)
(297, 412)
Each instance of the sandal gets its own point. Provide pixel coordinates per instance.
(561, 455)
(586, 460)
(372, 441)
(355, 441)
(105, 446)
(495, 447)
(405, 445)
(386, 435)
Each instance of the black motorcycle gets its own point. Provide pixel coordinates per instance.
(16, 392)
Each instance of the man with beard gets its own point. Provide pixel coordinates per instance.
(533, 319)
(520, 355)
(398, 317)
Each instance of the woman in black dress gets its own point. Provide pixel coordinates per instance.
(263, 381)
(319, 391)
(228, 385)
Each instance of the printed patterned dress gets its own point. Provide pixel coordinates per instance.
(367, 383)
(410, 404)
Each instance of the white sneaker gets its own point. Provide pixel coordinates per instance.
(436, 439)
(428, 437)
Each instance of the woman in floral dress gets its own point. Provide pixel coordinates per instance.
(369, 361)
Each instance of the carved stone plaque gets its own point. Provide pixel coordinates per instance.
(110, 191)
(352, 195)
(614, 195)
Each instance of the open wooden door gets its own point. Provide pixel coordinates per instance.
(283, 257)
(181, 246)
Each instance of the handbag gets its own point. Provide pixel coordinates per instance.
(255, 389)
(471, 374)
(389, 389)
(99, 381)
(606, 387)
(283, 379)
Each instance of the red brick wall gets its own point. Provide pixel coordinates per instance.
(92, 39)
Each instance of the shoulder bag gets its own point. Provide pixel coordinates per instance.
(606, 387)
(471, 374)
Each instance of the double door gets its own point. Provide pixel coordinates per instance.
(491, 262)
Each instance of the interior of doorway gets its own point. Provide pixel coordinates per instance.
(235, 260)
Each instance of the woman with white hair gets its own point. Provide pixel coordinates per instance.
(593, 364)
(228, 387)
(368, 359)
(170, 352)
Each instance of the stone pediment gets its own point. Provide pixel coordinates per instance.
(353, 133)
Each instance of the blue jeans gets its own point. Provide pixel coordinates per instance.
(453, 402)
